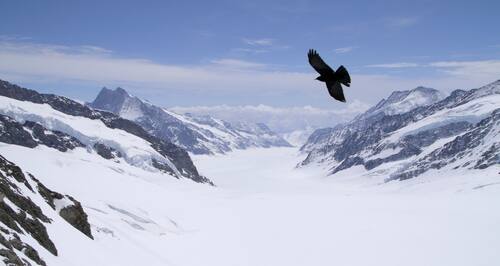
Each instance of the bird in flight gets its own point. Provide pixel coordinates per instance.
(333, 79)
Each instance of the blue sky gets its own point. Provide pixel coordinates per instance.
(209, 53)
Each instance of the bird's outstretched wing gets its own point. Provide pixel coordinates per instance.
(335, 90)
(343, 76)
(318, 64)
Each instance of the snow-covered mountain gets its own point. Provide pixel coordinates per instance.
(197, 134)
(30, 119)
(80, 187)
(403, 101)
(413, 132)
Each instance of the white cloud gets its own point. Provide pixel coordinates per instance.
(13, 38)
(29, 61)
(227, 78)
(237, 64)
(259, 42)
(486, 68)
(468, 72)
(281, 119)
(401, 21)
(250, 50)
(395, 65)
(343, 50)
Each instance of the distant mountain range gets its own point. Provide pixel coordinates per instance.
(198, 134)
(412, 132)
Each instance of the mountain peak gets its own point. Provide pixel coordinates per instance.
(118, 91)
(424, 89)
(401, 95)
(200, 134)
(121, 91)
(403, 101)
(111, 100)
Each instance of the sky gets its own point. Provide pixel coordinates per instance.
(246, 54)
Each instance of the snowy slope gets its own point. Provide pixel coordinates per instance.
(403, 101)
(104, 133)
(264, 212)
(135, 151)
(197, 134)
(298, 137)
(432, 135)
(33, 218)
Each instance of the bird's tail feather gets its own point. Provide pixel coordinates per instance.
(343, 76)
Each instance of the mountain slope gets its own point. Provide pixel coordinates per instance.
(197, 134)
(399, 102)
(136, 215)
(105, 133)
(431, 135)
(27, 210)
(403, 101)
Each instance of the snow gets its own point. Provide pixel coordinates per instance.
(62, 203)
(298, 137)
(413, 100)
(264, 211)
(403, 101)
(130, 109)
(214, 130)
(473, 112)
(385, 153)
(136, 150)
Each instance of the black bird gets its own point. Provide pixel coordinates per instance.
(333, 79)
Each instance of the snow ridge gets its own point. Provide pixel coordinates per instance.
(413, 141)
(109, 135)
(199, 134)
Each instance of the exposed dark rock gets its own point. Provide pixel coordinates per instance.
(106, 152)
(46, 193)
(427, 137)
(406, 152)
(31, 134)
(11, 258)
(412, 144)
(20, 215)
(52, 138)
(347, 163)
(14, 133)
(163, 167)
(457, 149)
(489, 157)
(33, 224)
(73, 214)
(16, 243)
